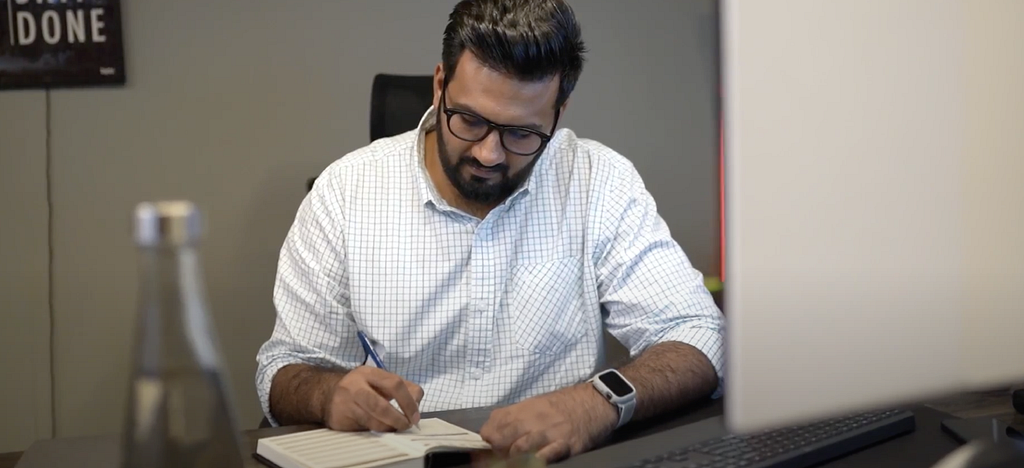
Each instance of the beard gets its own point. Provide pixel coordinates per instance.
(474, 188)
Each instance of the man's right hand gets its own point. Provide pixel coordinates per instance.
(361, 400)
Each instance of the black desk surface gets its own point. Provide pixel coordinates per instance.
(919, 449)
(922, 448)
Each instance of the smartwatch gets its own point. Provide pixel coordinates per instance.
(618, 391)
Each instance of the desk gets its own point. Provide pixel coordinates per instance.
(86, 452)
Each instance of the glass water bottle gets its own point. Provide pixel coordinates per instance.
(178, 414)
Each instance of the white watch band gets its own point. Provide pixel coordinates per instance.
(625, 412)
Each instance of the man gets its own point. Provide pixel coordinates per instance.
(482, 255)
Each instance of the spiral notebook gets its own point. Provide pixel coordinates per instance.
(325, 448)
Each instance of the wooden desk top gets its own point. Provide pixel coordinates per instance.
(996, 404)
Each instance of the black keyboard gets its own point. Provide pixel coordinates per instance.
(793, 447)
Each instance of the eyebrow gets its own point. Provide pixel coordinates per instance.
(465, 108)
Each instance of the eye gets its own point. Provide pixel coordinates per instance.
(518, 134)
(471, 121)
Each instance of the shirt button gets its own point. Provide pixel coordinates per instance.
(477, 374)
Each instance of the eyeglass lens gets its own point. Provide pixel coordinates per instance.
(470, 128)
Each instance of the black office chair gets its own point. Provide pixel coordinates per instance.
(397, 102)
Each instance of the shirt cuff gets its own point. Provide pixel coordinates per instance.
(264, 379)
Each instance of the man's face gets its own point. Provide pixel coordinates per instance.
(485, 171)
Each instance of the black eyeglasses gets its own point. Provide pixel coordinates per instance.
(470, 127)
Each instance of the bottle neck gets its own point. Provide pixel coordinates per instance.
(174, 333)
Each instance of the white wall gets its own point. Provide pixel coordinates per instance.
(233, 105)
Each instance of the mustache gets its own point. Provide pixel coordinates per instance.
(471, 161)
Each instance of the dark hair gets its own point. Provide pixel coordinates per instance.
(528, 39)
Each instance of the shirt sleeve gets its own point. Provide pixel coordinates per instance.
(649, 290)
(313, 323)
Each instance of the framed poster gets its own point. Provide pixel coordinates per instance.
(60, 43)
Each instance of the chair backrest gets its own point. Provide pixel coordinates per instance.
(397, 102)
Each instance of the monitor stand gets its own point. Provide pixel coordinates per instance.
(987, 428)
(987, 442)
(983, 453)
(982, 429)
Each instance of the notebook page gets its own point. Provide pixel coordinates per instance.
(434, 434)
(433, 427)
(324, 448)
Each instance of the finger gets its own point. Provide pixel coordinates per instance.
(379, 408)
(417, 394)
(365, 421)
(393, 387)
(415, 390)
(375, 424)
(554, 451)
(347, 417)
(529, 442)
(500, 432)
(489, 433)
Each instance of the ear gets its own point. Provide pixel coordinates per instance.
(565, 105)
(438, 84)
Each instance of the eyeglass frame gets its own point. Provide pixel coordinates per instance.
(491, 126)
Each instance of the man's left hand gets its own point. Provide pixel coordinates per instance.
(553, 426)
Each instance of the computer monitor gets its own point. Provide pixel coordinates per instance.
(874, 203)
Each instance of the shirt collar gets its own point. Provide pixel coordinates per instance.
(428, 191)
(425, 185)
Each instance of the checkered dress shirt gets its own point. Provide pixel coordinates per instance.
(482, 312)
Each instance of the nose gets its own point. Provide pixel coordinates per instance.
(489, 150)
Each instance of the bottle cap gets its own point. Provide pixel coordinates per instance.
(166, 223)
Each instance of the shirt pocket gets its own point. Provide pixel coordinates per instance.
(546, 299)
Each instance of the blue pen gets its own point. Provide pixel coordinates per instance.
(377, 361)
(370, 352)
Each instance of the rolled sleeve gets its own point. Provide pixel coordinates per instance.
(707, 338)
(313, 323)
(650, 291)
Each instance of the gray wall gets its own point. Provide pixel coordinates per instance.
(234, 107)
(24, 271)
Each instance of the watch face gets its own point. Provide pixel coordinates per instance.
(616, 384)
